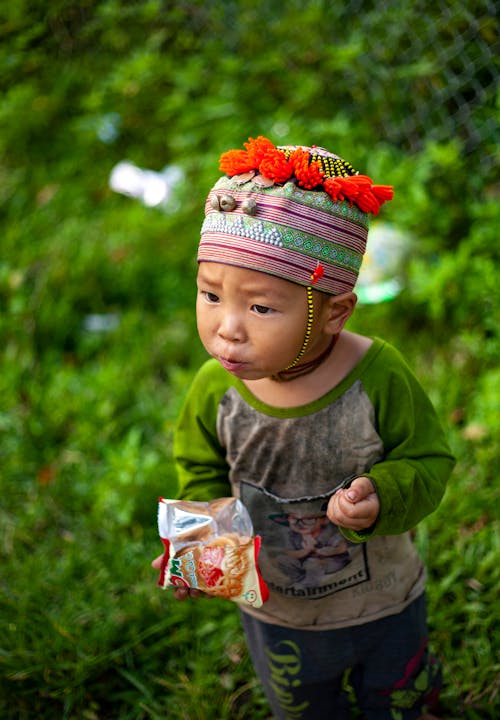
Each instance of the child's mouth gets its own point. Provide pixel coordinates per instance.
(231, 365)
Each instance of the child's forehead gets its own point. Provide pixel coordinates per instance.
(247, 278)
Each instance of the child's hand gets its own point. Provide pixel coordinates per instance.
(356, 507)
(180, 593)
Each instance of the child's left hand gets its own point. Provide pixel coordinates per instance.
(356, 507)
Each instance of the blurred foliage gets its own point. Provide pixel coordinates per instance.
(406, 91)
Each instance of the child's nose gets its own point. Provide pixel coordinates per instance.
(231, 327)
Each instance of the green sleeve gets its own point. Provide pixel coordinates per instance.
(200, 460)
(410, 481)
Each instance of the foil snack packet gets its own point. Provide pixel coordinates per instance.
(210, 546)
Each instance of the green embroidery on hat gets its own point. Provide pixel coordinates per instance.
(323, 250)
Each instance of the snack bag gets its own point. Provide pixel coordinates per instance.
(210, 546)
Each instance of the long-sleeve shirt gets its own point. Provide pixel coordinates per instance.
(285, 464)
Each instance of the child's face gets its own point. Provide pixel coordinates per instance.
(252, 323)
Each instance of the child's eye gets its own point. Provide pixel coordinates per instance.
(211, 297)
(261, 309)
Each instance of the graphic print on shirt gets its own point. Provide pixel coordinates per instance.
(303, 554)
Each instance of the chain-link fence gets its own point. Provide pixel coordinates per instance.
(418, 70)
(434, 71)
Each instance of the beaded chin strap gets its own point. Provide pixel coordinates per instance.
(307, 337)
(285, 374)
(292, 371)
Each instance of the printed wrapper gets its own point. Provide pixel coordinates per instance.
(210, 546)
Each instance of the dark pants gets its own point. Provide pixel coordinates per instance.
(389, 668)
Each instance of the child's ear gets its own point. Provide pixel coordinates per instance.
(337, 311)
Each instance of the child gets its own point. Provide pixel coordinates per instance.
(325, 435)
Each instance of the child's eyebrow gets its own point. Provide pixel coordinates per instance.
(208, 280)
(266, 293)
(246, 288)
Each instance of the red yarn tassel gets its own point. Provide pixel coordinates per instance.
(359, 189)
(352, 186)
(367, 202)
(383, 192)
(317, 274)
(333, 188)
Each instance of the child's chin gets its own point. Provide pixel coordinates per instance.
(246, 373)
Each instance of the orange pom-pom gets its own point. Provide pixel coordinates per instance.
(332, 187)
(261, 155)
(309, 174)
(275, 166)
(257, 149)
(235, 162)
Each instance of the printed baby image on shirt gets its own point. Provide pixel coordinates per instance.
(303, 554)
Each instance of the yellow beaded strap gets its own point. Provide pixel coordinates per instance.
(310, 318)
(295, 370)
(291, 371)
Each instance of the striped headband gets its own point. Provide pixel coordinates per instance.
(298, 213)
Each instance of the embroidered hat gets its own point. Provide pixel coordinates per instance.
(299, 213)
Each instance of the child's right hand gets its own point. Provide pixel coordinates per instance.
(180, 593)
